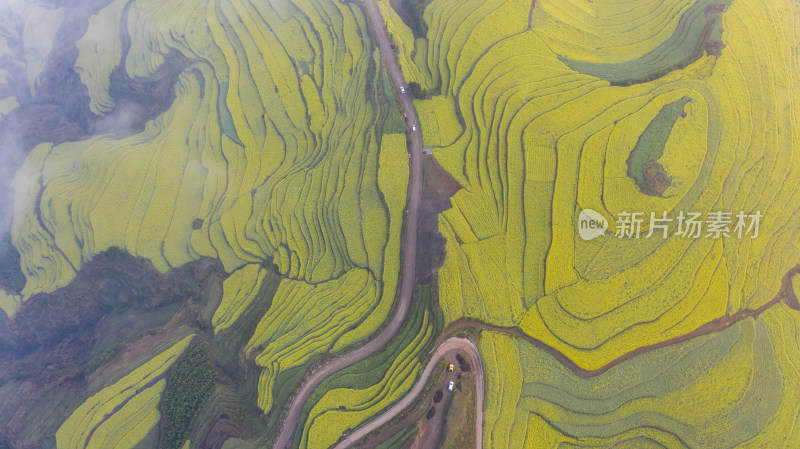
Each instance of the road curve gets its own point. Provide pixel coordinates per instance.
(408, 270)
(447, 349)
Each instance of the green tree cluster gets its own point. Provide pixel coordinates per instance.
(419, 93)
(188, 388)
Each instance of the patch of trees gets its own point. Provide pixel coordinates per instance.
(431, 413)
(140, 100)
(463, 364)
(99, 361)
(117, 282)
(121, 87)
(412, 13)
(189, 386)
(419, 93)
(11, 276)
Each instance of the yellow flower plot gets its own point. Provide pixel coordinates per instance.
(662, 107)
(622, 250)
(121, 415)
(270, 154)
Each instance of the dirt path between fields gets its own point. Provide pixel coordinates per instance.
(786, 295)
(447, 349)
(295, 405)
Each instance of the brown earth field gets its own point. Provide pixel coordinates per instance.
(437, 189)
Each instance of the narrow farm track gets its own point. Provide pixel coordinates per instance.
(447, 349)
(785, 295)
(297, 402)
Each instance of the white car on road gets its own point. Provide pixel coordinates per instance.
(402, 89)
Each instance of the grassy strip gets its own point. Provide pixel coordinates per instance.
(651, 143)
(399, 439)
(698, 28)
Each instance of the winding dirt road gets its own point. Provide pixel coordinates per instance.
(447, 349)
(408, 270)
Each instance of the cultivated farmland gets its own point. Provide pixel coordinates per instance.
(650, 107)
(353, 396)
(238, 186)
(121, 415)
(544, 138)
(270, 154)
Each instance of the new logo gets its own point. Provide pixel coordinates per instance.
(591, 224)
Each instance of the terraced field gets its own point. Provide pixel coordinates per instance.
(272, 153)
(121, 415)
(272, 145)
(354, 395)
(664, 107)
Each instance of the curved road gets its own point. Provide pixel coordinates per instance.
(408, 270)
(448, 349)
(408, 275)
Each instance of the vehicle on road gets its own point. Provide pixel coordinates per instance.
(413, 128)
(402, 89)
(450, 386)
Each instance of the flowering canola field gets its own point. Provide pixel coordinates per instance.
(270, 157)
(273, 156)
(121, 415)
(553, 97)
